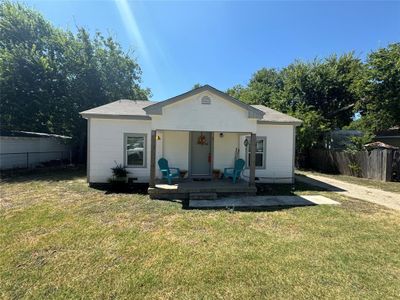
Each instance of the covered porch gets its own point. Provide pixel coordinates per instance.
(199, 161)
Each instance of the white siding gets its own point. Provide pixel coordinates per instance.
(107, 140)
(279, 153)
(57, 147)
(224, 150)
(107, 147)
(176, 149)
(191, 115)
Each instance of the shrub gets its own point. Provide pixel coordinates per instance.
(119, 171)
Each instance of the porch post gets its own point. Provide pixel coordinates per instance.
(253, 140)
(152, 182)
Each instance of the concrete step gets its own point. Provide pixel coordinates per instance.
(203, 196)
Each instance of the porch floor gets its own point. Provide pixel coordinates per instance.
(182, 189)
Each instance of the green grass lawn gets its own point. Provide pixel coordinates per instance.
(382, 185)
(61, 239)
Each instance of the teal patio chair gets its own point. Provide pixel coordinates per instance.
(236, 171)
(166, 170)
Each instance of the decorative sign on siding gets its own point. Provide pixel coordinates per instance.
(246, 142)
(205, 100)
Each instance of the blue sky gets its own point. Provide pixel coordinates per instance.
(223, 43)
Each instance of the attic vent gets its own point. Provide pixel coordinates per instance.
(205, 100)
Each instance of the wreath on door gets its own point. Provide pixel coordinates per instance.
(202, 140)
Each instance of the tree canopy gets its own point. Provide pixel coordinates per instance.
(379, 105)
(49, 75)
(327, 93)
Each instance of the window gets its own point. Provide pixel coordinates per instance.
(135, 150)
(261, 145)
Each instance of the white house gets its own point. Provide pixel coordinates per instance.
(138, 133)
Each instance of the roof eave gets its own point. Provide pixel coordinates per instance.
(114, 116)
(294, 123)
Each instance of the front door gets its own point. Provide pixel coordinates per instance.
(200, 158)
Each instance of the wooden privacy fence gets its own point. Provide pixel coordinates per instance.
(378, 164)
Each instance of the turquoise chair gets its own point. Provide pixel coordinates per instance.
(236, 171)
(166, 170)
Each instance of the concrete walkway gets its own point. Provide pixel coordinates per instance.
(387, 199)
(263, 201)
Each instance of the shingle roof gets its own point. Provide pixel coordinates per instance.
(121, 108)
(134, 109)
(274, 116)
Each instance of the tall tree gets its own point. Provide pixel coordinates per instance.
(380, 104)
(321, 92)
(47, 75)
(329, 86)
(263, 87)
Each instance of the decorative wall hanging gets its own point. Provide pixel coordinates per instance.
(246, 142)
(202, 140)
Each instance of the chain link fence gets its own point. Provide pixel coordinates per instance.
(28, 160)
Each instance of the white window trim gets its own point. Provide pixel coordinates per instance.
(126, 135)
(264, 160)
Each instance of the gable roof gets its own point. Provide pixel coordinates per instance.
(156, 108)
(273, 116)
(140, 109)
(120, 109)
